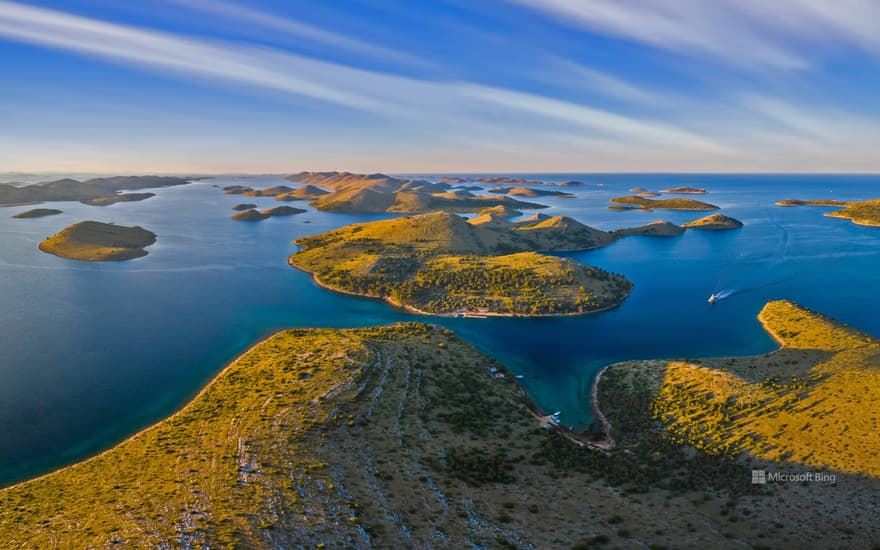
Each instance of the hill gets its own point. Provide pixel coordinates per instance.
(814, 403)
(663, 204)
(439, 263)
(714, 222)
(96, 191)
(306, 192)
(358, 193)
(865, 212)
(685, 191)
(653, 229)
(405, 436)
(37, 213)
(99, 242)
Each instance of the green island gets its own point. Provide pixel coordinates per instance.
(380, 193)
(37, 213)
(253, 215)
(865, 212)
(714, 222)
(95, 192)
(529, 192)
(405, 436)
(441, 264)
(644, 203)
(92, 241)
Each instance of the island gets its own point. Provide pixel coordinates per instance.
(96, 191)
(359, 193)
(685, 191)
(865, 212)
(658, 228)
(529, 192)
(253, 215)
(91, 241)
(405, 435)
(572, 183)
(442, 265)
(37, 213)
(643, 203)
(714, 222)
(244, 206)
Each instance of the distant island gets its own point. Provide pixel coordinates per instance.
(253, 215)
(865, 212)
(243, 206)
(306, 192)
(95, 192)
(529, 192)
(685, 191)
(644, 203)
(654, 229)
(443, 265)
(92, 241)
(37, 213)
(358, 193)
(714, 222)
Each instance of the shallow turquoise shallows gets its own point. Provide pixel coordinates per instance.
(90, 353)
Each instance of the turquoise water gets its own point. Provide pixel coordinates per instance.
(89, 353)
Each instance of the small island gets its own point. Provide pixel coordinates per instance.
(253, 215)
(572, 183)
(442, 265)
(821, 202)
(91, 241)
(37, 213)
(654, 229)
(684, 191)
(714, 222)
(245, 206)
(643, 203)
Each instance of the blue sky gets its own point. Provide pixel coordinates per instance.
(214, 86)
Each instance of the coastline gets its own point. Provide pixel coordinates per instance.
(414, 310)
(153, 425)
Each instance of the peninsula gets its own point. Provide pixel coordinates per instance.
(96, 192)
(407, 436)
(443, 265)
(865, 212)
(92, 241)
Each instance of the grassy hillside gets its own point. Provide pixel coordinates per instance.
(99, 242)
(398, 437)
(816, 402)
(663, 204)
(861, 213)
(440, 263)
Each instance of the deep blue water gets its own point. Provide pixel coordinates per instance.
(90, 353)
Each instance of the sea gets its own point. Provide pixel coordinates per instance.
(92, 352)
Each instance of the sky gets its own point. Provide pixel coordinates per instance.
(456, 86)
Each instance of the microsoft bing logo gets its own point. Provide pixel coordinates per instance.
(759, 477)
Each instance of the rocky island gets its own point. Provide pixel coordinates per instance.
(96, 191)
(643, 203)
(37, 213)
(684, 191)
(92, 241)
(441, 264)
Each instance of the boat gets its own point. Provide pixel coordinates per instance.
(712, 298)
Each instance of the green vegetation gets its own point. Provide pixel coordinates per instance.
(91, 241)
(37, 213)
(402, 436)
(441, 264)
(714, 222)
(97, 191)
(306, 192)
(662, 204)
(813, 403)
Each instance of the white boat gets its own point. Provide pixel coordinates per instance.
(712, 298)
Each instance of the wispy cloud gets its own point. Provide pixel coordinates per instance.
(747, 32)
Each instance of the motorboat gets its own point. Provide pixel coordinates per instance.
(712, 298)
